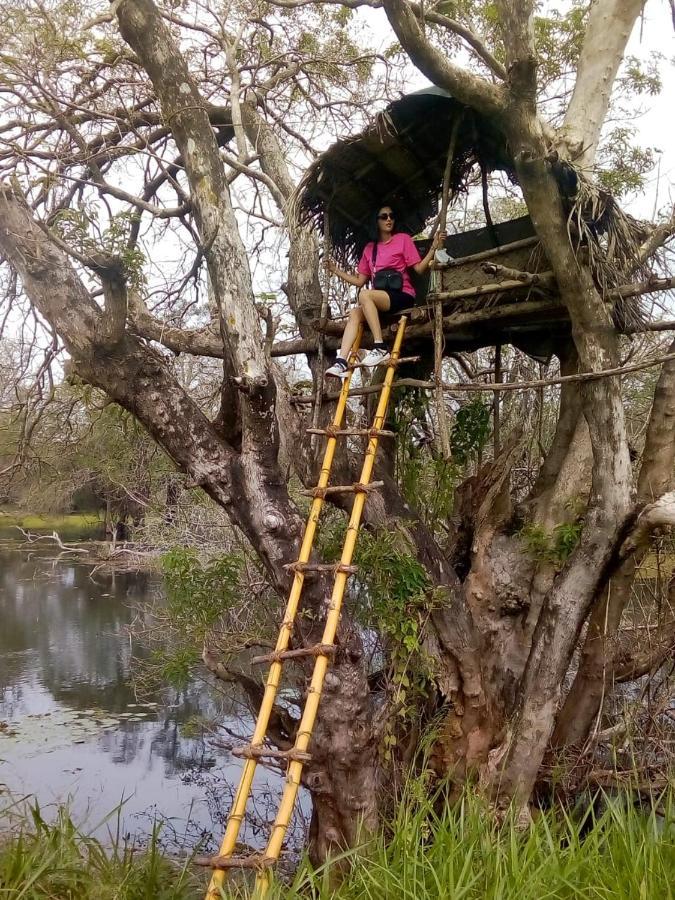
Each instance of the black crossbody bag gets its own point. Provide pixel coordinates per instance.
(385, 279)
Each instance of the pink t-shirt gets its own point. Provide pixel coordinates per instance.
(399, 253)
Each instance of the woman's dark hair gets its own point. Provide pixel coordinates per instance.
(374, 229)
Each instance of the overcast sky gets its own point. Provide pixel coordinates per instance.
(657, 124)
(654, 33)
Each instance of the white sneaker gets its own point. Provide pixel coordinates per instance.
(376, 357)
(338, 369)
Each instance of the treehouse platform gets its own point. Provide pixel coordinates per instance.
(420, 155)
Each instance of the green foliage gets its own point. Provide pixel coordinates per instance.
(470, 430)
(624, 165)
(79, 227)
(74, 527)
(174, 666)
(552, 547)
(397, 585)
(565, 539)
(559, 38)
(199, 593)
(430, 849)
(392, 592)
(57, 861)
(642, 78)
(428, 483)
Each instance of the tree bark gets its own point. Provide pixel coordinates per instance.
(594, 676)
(610, 23)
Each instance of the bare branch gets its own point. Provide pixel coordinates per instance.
(660, 235)
(431, 15)
(629, 667)
(462, 84)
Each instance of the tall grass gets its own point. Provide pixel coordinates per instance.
(56, 861)
(624, 854)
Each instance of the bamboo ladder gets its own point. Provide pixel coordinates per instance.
(298, 755)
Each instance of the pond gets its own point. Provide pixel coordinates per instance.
(73, 730)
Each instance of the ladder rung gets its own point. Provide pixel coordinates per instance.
(256, 861)
(358, 488)
(357, 432)
(280, 655)
(390, 362)
(321, 567)
(249, 751)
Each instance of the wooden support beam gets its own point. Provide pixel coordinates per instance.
(443, 431)
(334, 568)
(488, 254)
(651, 286)
(495, 287)
(462, 387)
(517, 310)
(390, 362)
(545, 279)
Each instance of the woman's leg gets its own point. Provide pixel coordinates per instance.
(350, 332)
(370, 302)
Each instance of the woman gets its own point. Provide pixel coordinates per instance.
(385, 263)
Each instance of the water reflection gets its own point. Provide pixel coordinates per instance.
(66, 690)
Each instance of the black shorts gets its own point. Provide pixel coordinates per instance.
(399, 300)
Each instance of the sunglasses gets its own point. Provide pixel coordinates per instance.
(386, 216)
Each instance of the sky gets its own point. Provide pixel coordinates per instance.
(655, 121)
(656, 125)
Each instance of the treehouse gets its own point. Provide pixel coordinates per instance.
(497, 287)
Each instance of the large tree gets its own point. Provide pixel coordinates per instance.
(145, 152)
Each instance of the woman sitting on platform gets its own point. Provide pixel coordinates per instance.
(385, 262)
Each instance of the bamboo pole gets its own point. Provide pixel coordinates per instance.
(438, 380)
(441, 224)
(493, 251)
(236, 816)
(306, 726)
(496, 287)
(496, 399)
(321, 352)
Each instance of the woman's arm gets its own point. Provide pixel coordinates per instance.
(357, 280)
(438, 241)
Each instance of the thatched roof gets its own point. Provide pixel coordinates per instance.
(400, 160)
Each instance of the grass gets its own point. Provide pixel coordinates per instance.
(623, 854)
(43, 861)
(73, 526)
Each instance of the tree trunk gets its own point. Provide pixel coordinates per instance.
(568, 602)
(593, 678)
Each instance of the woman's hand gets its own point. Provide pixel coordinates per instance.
(329, 265)
(439, 240)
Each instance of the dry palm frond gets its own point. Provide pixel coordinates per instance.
(612, 239)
